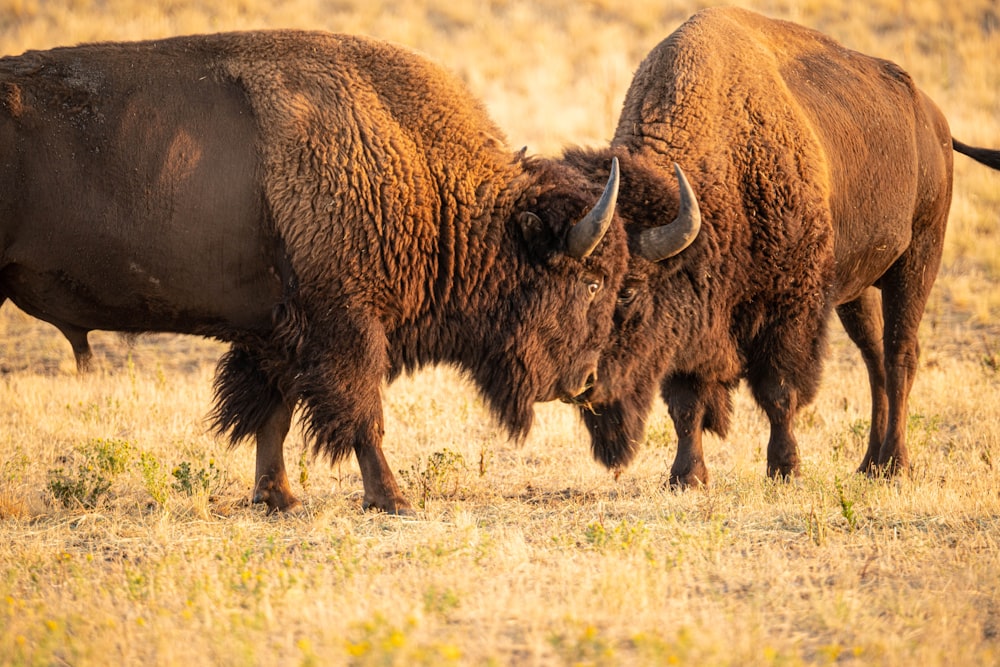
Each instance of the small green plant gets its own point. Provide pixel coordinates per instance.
(14, 468)
(815, 528)
(304, 469)
(381, 642)
(154, 477)
(100, 461)
(920, 429)
(860, 428)
(485, 458)
(440, 601)
(191, 481)
(991, 360)
(846, 505)
(653, 649)
(660, 433)
(625, 535)
(440, 476)
(377, 641)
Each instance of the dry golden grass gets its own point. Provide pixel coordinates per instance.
(530, 556)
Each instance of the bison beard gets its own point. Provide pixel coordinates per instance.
(824, 181)
(339, 209)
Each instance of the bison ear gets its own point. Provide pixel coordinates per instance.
(533, 229)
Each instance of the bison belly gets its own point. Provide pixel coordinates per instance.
(142, 211)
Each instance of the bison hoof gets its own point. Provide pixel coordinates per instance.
(888, 470)
(868, 467)
(783, 473)
(398, 507)
(695, 478)
(277, 500)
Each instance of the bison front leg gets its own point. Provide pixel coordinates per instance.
(687, 410)
(381, 491)
(780, 401)
(782, 447)
(342, 396)
(271, 481)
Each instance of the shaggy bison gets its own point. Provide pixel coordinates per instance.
(823, 179)
(339, 209)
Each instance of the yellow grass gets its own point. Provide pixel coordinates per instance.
(519, 556)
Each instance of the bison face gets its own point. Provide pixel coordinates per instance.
(631, 345)
(646, 309)
(651, 312)
(554, 316)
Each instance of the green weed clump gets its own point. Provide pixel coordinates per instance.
(440, 475)
(624, 535)
(97, 463)
(154, 477)
(191, 480)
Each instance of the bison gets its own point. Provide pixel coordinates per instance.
(338, 209)
(823, 180)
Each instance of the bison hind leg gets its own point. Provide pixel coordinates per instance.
(248, 403)
(82, 353)
(245, 397)
(862, 320)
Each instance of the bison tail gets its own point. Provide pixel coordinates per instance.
(987, 156)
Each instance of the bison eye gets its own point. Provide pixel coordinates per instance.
(593, 287)
(626, 296)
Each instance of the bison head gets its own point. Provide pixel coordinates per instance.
(651, 312)
(549, 321)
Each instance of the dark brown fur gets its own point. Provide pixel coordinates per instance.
(339, 209)
(824, 178)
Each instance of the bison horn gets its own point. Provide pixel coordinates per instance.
(665, 241)
(587, 233)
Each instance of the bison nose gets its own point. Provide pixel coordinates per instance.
(583, 380)
(582, 390)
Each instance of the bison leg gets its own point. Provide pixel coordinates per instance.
(905, 289)
(81, 347)
(271, 485)
(780, 403)
(685, 399)
(781, 383)
(784, 374)
(381, 491)
(862, 320)
(249, 404)
(342, 396)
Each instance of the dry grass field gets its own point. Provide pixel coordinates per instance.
(126, 536)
